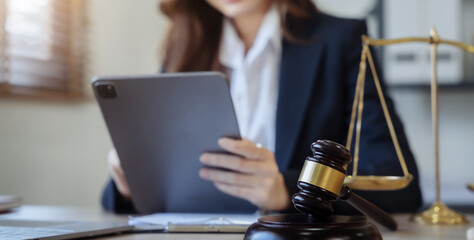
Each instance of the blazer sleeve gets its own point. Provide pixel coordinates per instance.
(113, 201)
(377, 152)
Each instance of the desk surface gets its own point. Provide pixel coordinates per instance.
(407, 229)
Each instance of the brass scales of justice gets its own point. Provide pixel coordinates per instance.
(438, 213)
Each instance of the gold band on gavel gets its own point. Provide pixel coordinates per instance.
(322, 176)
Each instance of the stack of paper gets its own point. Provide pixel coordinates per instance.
(195, 222)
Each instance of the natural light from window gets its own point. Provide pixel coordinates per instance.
(28, 26)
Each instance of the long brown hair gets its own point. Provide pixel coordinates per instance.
(192, 41)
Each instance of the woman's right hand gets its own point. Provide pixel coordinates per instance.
(116, 171)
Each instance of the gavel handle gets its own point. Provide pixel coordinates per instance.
(368, 208)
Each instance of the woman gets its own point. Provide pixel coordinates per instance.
(293, 73)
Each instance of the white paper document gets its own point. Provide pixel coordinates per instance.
(195, 222)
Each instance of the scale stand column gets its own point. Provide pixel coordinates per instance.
(438, 213)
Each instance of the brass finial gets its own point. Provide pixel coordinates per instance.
(435, 39)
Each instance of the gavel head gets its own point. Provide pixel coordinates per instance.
(321, 178)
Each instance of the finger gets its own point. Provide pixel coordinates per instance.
(231, 162)
(114, 162)
(122, 186)
(237, 191)
(117, 173)
(112, 159)
(243, 148)
(230, 178)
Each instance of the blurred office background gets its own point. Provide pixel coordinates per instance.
(53, 149)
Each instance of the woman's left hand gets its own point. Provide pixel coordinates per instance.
(254, 174)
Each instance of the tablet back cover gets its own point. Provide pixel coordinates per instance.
(160, 125)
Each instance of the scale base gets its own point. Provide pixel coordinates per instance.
(439, 213)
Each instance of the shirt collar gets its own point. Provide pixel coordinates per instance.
(232, 48)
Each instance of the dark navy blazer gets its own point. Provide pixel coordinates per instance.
(316, 90)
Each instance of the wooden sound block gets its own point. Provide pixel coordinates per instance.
(301, 226)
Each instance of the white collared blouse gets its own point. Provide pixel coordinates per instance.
(254, 77)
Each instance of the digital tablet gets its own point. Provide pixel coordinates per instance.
(160, 125)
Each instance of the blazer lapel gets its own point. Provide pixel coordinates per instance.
(299, 69)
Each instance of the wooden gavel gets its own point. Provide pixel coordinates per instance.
(322, 181)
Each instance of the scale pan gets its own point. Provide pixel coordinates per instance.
(377, 183)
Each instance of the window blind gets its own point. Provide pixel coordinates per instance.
(42, 47)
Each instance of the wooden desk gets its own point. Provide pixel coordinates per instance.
(407, 229)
